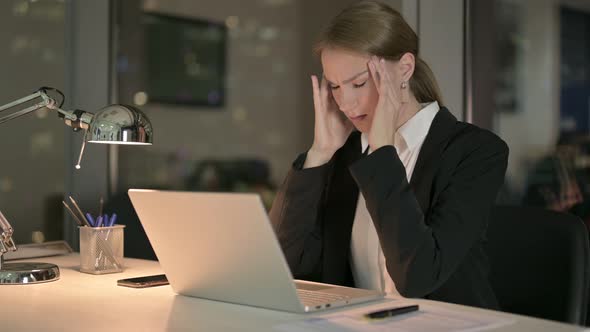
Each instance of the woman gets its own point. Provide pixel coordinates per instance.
(400, 204)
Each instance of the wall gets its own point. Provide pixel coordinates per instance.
(532, 130)
(261, 118)
(32, 159)
(441, 46)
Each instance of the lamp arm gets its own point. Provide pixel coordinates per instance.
(20, 101)
(6, 242)
(75, 119)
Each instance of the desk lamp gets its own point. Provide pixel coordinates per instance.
(114, 124)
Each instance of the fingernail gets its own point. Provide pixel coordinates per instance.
(382, 60)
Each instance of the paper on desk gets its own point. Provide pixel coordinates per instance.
(34, 250)
(429, 318)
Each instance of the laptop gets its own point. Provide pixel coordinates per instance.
(221, 246)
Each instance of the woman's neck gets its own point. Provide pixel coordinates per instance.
(409, 110)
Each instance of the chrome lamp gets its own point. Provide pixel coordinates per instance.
(114, 124)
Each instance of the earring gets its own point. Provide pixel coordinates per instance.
(405, 97)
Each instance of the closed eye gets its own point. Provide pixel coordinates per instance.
(359, 85)
(334, 87)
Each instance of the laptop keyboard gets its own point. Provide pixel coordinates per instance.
(312, 298)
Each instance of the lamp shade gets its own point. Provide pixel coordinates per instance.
(120, 124)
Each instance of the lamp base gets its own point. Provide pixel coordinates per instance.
(28, 273)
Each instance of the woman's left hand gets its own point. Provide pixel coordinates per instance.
(389, 107)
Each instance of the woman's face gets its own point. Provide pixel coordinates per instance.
(351, 84)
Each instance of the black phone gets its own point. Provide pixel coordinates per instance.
(143, 282)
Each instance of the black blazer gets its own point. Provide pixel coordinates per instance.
(432, 230)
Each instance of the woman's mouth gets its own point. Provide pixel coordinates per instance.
(358, 117)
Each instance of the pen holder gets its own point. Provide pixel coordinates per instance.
(101, 249)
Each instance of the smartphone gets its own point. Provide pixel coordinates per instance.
(143, 282)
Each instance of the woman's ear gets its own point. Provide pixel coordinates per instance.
(407, 63)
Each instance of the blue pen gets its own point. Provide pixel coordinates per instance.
(98, 221)
(113, 219)
(90, 219)
(105, 220)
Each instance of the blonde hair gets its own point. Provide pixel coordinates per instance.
(370, 27)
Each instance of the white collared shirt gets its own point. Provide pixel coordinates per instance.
(367, 259)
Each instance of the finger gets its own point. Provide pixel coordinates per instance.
(374, 74)
(327, 98)
(392, 90)
(386, 77)
(382, 74)
(379, 83)
(317, 103)
(324, 91)
(330, 97)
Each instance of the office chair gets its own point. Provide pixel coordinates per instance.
(540, 263)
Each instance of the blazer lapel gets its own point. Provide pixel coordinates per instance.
(432, 148)
(339, 215)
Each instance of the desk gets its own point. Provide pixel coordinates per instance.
(84, 302)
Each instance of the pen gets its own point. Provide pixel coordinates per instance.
(391, 312)
(76, 219)
(90, 219)
(113, 219)
(100, 207)
(102, 244)
(79, 211)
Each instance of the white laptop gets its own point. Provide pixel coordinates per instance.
(221, 246)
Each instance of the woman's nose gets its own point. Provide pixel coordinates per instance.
(347, 102)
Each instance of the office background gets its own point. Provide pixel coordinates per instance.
(517, 68)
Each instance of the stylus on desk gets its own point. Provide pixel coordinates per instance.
(391, 312)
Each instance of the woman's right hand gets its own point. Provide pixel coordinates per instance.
(331, 129)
